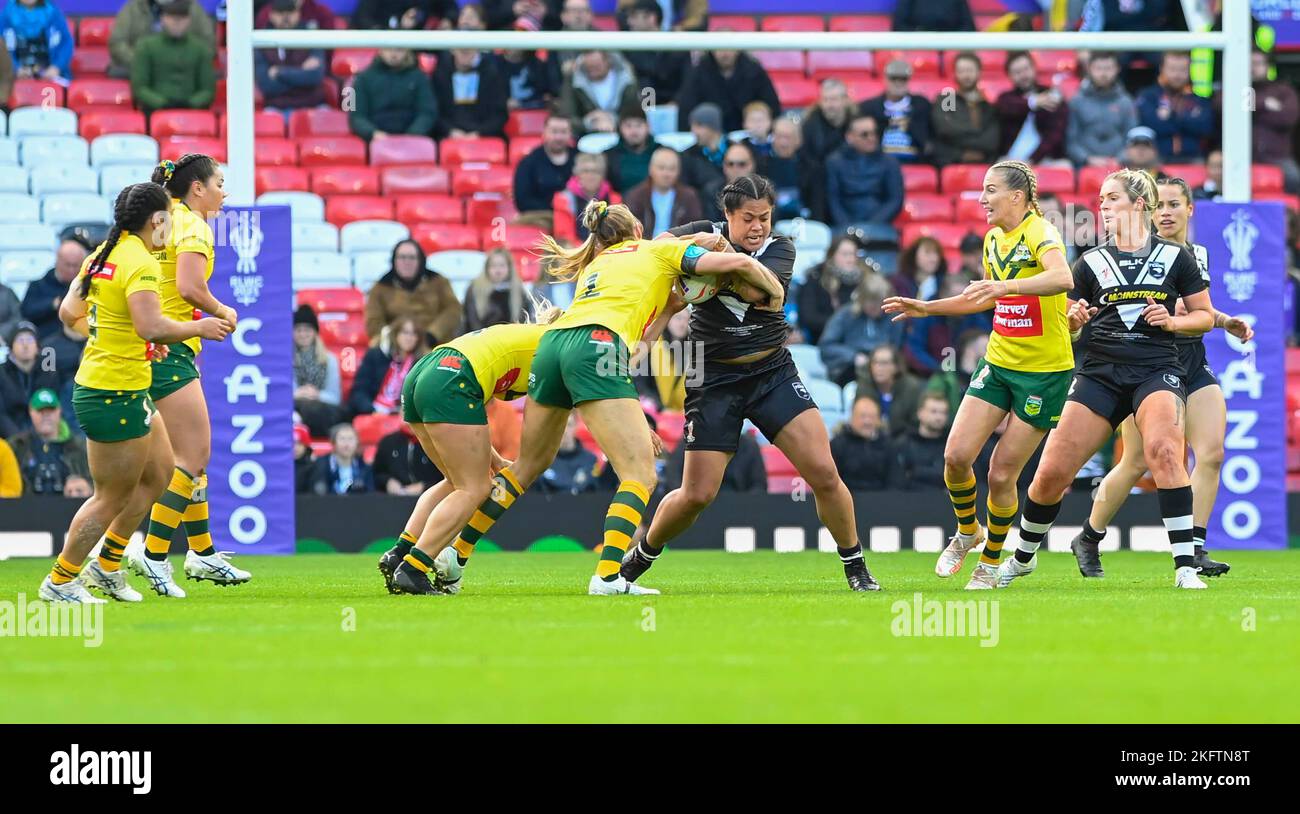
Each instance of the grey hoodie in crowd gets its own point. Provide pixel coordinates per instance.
(1099, 122)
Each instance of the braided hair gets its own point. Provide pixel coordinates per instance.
(1020, 176)
(178, 176)
(752, 187)
(131, 212)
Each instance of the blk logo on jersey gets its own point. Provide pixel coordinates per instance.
(1018, 316)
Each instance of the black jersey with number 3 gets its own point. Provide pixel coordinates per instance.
(728, 326)
(1119, 283)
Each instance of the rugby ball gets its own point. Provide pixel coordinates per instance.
(698, 288)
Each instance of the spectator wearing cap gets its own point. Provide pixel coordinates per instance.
(730, 80)
(545, 170)
(1276, 113)
(1032, 117)
(589, 182)
(966, 128)
(600, 85)
(173, 68)
(139, 19)
(313, 14)
(289, 79)
(902, 117)
(38, 39)
(317, 389)
(52, 460)
(790, 170)
(1212, 188)
(302, 458)
(628, 161)
(41, 302)
(21, 376)
(1140, 151)
(863, 185)
(393, 97)
(471, 94)
(1181, 120)
(1101, 115)
(663, 71)
(933, 15)
(660, 202)
(702, 161)
(403, 14)
(677, 15)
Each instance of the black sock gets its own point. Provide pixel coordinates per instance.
(848, 555)
(156, 556)
(1198, 537)
(645, 550)
(1091, 535)
(1176, 512)
(1035, 521)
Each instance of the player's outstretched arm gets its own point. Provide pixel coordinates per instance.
(1055, 278)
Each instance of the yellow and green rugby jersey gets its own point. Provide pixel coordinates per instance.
(116, 358)
(1030, 333)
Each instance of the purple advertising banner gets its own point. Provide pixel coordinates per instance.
(1246, 244)
(248, 383)
(1283, 16)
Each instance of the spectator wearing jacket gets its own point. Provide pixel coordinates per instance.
(314, 15)
(1273, 130)
(965, 131)
(38, 40)
(660, 202)
(289, 79)
(317, 384)
(497, 296)
(828, 285)
(392, 97)
(41, 302)
(679, 15)
(600, 85)
(929, 340)
(545, 170)
(856, 329)
(409, 289)
(730, 80)
(401, 466)
(173, 68)
(861, 449)
(529, 81)
(702, 161)
(378, 385)
(588, 182)
(902, 117)
(918, 453)
(303, 460)
(883, 379)
(139, 19)
(791, 170)
(863, 185)
(407, 15)
(663, 71)
(575, 15)
(471, 94)
(52, 459)
(1032, 117)
(628, 161)
(11, 311)
(1101, 114)
(933, 15)
(1182, 121)
(21, 375)
(343, 471)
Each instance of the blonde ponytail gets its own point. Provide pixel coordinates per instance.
(608, 225)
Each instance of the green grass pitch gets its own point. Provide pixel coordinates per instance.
(735, 637)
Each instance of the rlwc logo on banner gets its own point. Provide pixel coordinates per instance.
(246, 240)
(1240, 237)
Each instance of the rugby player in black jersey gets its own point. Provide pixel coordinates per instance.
(749, 374)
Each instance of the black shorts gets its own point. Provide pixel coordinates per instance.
(1196, 369)
(1114, 391)
(767, 392)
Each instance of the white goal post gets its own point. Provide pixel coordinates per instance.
(1234, 41)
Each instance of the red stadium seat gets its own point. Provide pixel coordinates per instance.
(441, 237)
(428, 62)
(371, 428)
(967, 209)
(604, 22)
(343, 330)
(403, 150)
(326, 151)
(1051, 62)
(84, 93)
(514, 238)
(1090, 179)
(924, 63)
(1291, 202)
(281, 179)
(410, 178)
(94, 31)
(1193, 174)
(318, 121)
(430, 209)
(333, 300)
(266, 124)
(921, 208)
(949, 235)
(795, 91)
(827, 64)
(90, 61)
(94, 123)
(1059, 180)
(174, 147)
(793, 22)
(861, 22)
(276, 152)
(860, 85)
(995, 86)
(342, 209)
(349, 61)
(521, 146)
(920, 178)
(1265, 178)
(164, 123)
(329, 84)
(36, 93)
(776, 463)
(788, 61)
(356, 180)
(958, 178)
(931, 87)
(466, 182)
(732, 22)
(472, 151)
(528, 265)
(484, 209)
(525, 123)
(670, 427)
(992, 61)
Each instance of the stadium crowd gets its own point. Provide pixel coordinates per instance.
(857, 168)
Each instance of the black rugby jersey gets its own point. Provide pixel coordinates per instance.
(1202, 258)
(728, 326)
(1118, 283)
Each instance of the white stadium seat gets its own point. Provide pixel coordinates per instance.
(309, 236)
(597, 142)
(827, 394)
(304, 205)
(8, 151)
(321, 270)
(13, 178)
(25, 266)
(457, 264)
(4, 123)
(678, 141)
(850, 396)
(806, 258)
(809, 360)
(367, 267)
(30, 237)
(806, 234)
(19, 208)
(73, 207)
(371, 235)
(42, 121)
(124, 148)
(64, 150)
(459, 288)
(114, 177)
(19, 287)
(49, 178)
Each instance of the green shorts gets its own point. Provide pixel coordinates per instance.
(108, 416)
(174, 372)
(442, 389)
(573, 365)
(1036, 398)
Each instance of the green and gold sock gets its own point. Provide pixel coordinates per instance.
(505, 491)
(63, 571)
(418, 560)
(405, 542)
(167, 514)
(962, 496)
(621, 520)
(1000, 519)
(110, 553)
(196, 519)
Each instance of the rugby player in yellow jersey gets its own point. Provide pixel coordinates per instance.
(1026, 372)
(114, 301)
(196, 185)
